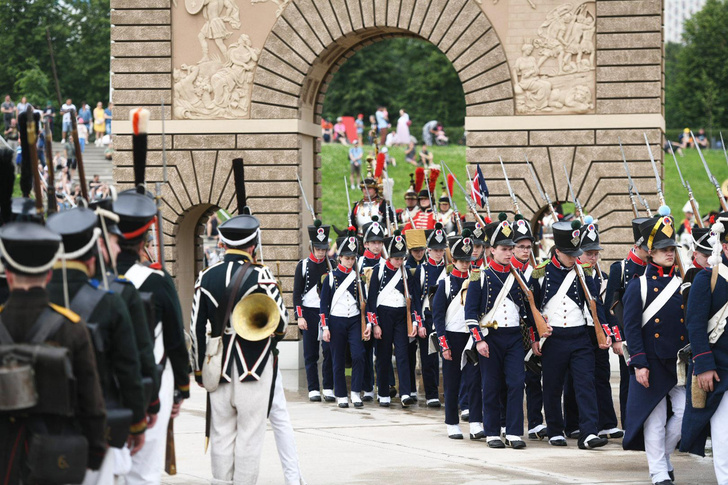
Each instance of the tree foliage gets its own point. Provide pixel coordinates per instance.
(696, 73)
(398, 73)
(80, 33)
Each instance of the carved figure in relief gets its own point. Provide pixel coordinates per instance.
(559, 75)
(282, 4)
(228, 83)
(217, 13)
(535, 90)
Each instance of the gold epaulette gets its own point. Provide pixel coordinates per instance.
(367, 274)
(474, 275)
(323, 277)
(540, 270)
(73, 317)
(448, 268)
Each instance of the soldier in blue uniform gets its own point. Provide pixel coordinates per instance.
(426, 277)
(621, 273)
(340, 315)
(387, 306)
(306, 290)
(373, 238)
(655, 331)
(602, 371)
(701, 252)
(448, 314)
(568, 346)
(494, 308)
(707, 406)
(523, 240)
(477, 231)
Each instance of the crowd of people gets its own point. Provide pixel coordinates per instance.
(687, 140)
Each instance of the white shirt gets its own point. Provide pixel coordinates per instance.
(66, 110)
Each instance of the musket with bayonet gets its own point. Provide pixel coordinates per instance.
(686, 184)
(541, 191)
(712, 179)
(485, 199)
(468, 200)
(577, 205)
(514, 199)
(348, 202)
(632, 189)
(449, 197)
(661, 197)
(313, 215)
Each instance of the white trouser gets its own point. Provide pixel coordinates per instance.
(662, 435)
(237, 428)
(105, 474)
(148, 463)
(719, 437)
(280, 421)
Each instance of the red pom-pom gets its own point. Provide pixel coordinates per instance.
(487, 220)
(712, 219)
(434, 174)
(352, 228)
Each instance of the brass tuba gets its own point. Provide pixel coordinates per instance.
(256, 317)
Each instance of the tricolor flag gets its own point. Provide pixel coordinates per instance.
(479, 189)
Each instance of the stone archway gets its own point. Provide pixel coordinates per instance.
(293, 49)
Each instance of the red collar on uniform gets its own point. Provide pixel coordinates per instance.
(499, 267)
(477, 263)
(343, 268)
(558, 263)
(695, 263)
(635, 259)
(518, 264)
(661, 270)
(459, 274)
(313, 258)
(389, 266)
(435, 263)
(370, 255)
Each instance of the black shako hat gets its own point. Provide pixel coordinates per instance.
(636, 231)
(27, 248)
(319, 234)
(700, 238)
(137, 212)
(590, 235)
(461, 247)
(78, 227)
(104, 209)
(659, 232)
(348, 245)
(240, 231)
(521, 229)
(23, 210)
(396, 245)
(436, 238)
(500, 232)
(567, 237)
(477, 233)
(373, 231)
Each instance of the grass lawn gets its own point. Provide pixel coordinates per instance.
(334, 162)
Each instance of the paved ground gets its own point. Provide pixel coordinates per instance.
(378, 445)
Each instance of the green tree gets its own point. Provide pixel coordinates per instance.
(80, 33)
(398, 73)
(701, 75)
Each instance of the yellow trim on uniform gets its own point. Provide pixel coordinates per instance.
(72, 265)
(240, 252)
(73, 317)
(139, 427)
(184, 388)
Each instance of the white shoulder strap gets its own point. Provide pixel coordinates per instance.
(447, 288)
(662, 298)
(643, 290)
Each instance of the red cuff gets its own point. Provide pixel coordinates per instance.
(617, 334)
(476, 334)
(372, 318)
(323, 321)
(443, 343)
(418, 319)
(704, 353)
(299, 312)
(607, 330)
(532, 335)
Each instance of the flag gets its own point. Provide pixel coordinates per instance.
(479, 189)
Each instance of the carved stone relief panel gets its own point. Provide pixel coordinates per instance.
(215, 49)
(550, 48)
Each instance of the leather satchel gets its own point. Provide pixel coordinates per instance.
(212, 365)
(57, 459)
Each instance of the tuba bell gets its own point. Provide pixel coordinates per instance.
(256, 317)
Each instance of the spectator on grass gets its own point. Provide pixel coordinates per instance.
(85, 114)
(702, 139)
(426, 157)
(429, 131)
(382, 123)
(71, 161)
(8, 110)
(355, 155)
(410, 155)
(340, 131)
(21, 107)
(49, 114)
(359, 123)
(11, 134)
(327, 130)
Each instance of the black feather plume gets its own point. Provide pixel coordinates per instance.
(7, 182)
(26, 174)
(139, 150)
(239, 175)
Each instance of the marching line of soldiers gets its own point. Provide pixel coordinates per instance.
(504, 326)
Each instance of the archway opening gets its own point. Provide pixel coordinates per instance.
(412, 84)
